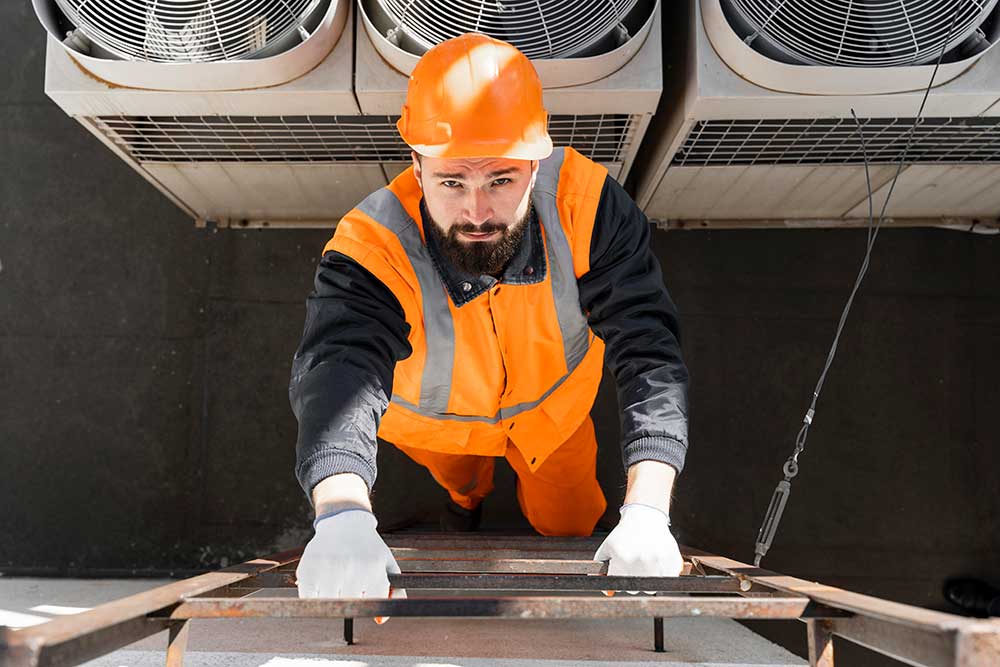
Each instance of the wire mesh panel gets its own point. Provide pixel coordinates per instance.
(187, 30)
(602, 137)
(866, 33)
(838, 141)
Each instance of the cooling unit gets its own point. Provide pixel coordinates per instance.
(599, 62)
(271, 137)
(195, 44)
(248, 112)
(756, 126)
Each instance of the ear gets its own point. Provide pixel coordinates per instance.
(417, 169)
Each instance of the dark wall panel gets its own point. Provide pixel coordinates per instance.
(144, 421)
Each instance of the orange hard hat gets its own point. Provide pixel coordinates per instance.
(475, 96)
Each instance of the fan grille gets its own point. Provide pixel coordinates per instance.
(539, 28)
(865, 33)
(602, 137)
(186, 30)
(835, 141)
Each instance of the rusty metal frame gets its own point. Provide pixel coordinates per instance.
(710, 586)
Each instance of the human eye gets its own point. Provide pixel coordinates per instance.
(501, 181)
(453, 185)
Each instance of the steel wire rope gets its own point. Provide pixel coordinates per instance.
(779, 498)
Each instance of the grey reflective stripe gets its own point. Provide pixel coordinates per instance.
(514, 410)
(399, 400)
(572, 323)
(439, 330)
(504, 413)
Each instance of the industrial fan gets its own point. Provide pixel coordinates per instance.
(188, 31)
(539, 28)
(571, 41)
(863, 33)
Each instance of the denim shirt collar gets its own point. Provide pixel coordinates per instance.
(527, 266)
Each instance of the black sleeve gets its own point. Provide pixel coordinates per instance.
(629, 308)
(355, 332)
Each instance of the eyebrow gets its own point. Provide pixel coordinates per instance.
(462, 175)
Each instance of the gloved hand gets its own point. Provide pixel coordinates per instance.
(347, 559)
(641, 545)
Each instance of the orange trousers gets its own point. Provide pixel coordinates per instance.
(562, 497)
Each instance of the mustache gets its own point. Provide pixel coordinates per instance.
(485, 228)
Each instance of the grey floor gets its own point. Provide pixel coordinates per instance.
(144, 422)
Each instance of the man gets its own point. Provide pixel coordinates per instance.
(462, 314)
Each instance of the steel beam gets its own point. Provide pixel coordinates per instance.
(445, 562)
(177, 643)
(513, 607)
(70, 640)
(820, 640)
(915, 636)
(525, 565)
(658, 635)
(564, 582)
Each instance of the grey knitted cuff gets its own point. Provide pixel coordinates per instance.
(655, 448)
(329, 462)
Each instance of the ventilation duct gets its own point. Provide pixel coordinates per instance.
(740, 145)
(570, 41)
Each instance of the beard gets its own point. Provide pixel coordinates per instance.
(480, 257)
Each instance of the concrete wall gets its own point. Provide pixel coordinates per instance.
(144, 423)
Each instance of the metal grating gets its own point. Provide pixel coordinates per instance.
(836, 141)
(603, 137)
(189, 31)
(871, 33)
(539, 28)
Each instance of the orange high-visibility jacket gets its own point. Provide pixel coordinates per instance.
(521, 363)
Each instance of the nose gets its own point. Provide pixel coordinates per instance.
(478, 208)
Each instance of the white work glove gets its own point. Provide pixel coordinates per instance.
(641, 545)
(347, 558)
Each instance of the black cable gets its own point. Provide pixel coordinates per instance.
(779, 498)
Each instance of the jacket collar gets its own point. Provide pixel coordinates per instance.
(527, 266)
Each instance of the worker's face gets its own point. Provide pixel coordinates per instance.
(478, 207)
